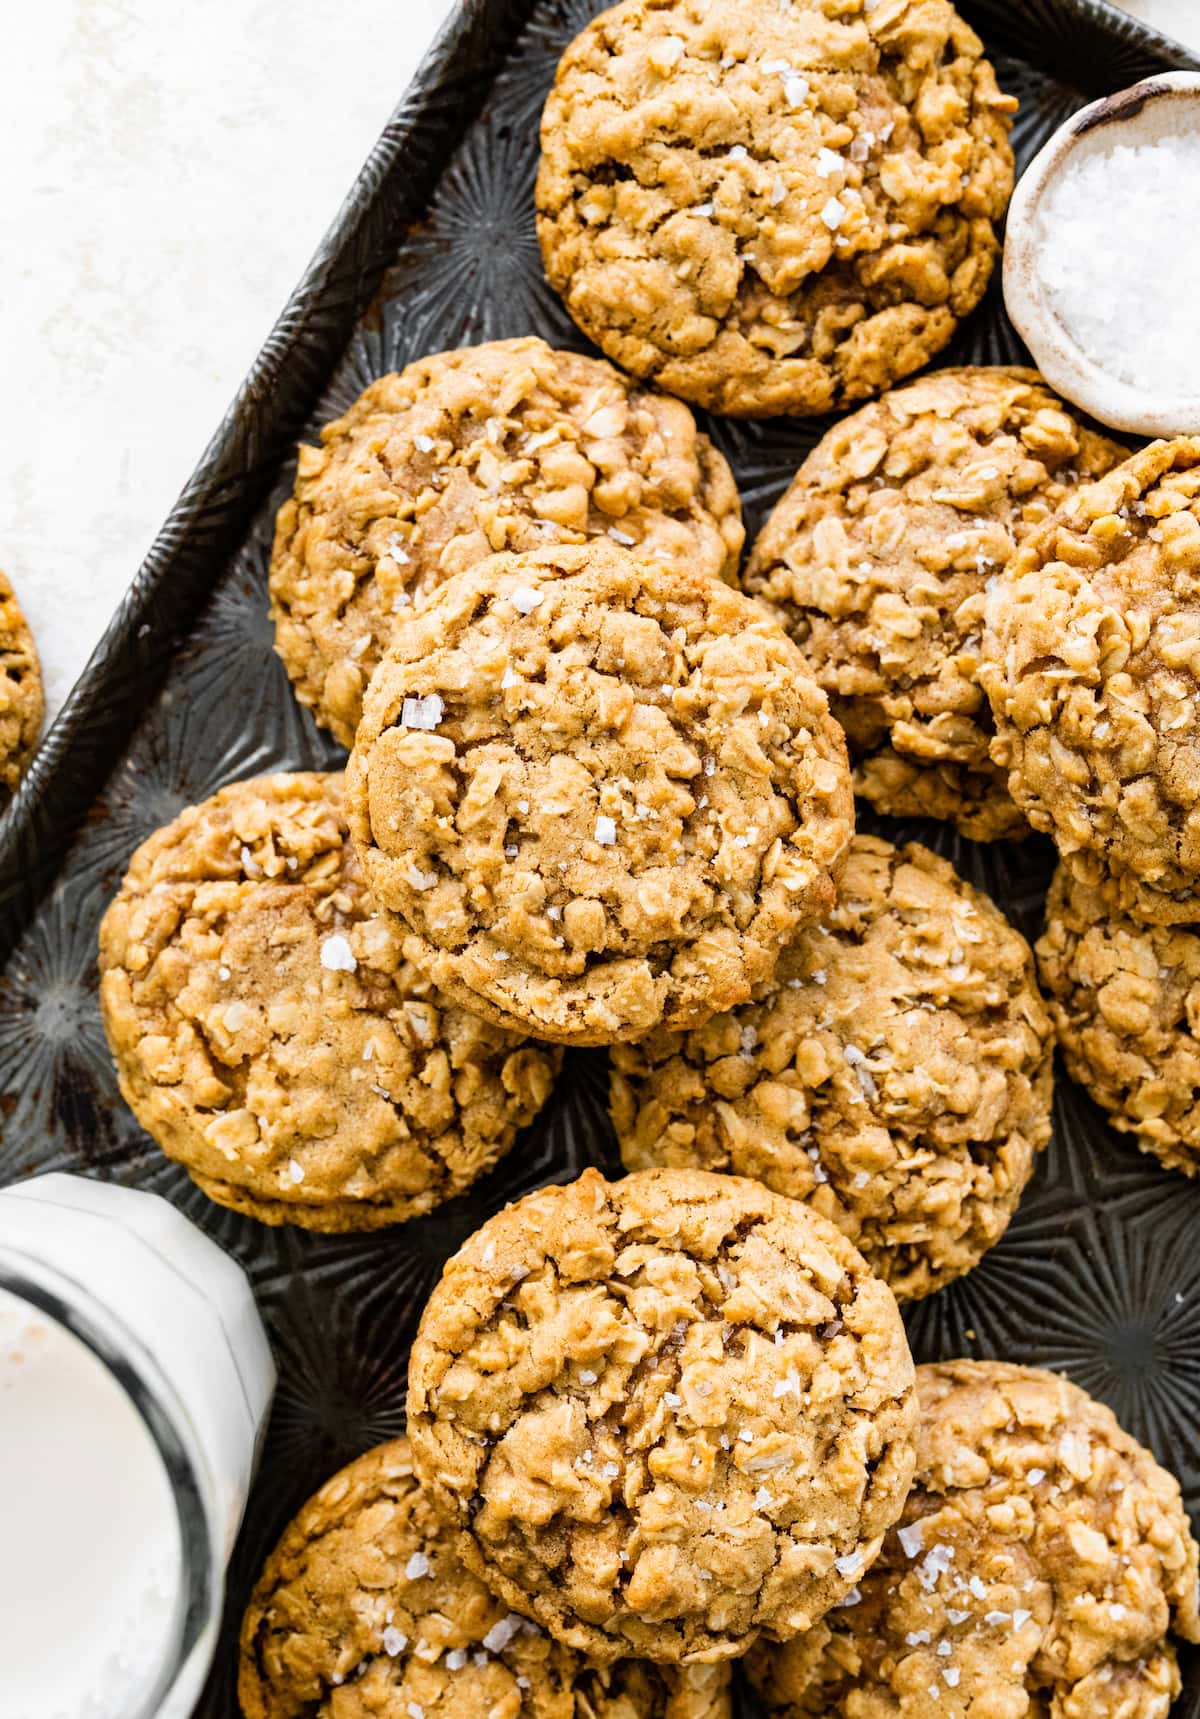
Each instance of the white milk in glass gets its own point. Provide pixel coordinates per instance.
(90, 1563)
(135, 1379)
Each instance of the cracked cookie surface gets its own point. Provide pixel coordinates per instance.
(21, 701)
(1042, 1561)
(600, 794)
(505, 446)
(895, 1073)
(364, 1611)
(668, 1414)
(876, 561)
(773, 209)
(270, 1035)
(1125, 999)
(1092, 665)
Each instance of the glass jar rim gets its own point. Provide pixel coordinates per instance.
(71, 1306)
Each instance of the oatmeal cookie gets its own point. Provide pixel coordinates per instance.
(505, 446)
(773, 209)
(1041, 1562)
(601, 794)
(895, 1073)
(876, 562)
(364, 1611)
(668, 1414)
(21, 703)
(1125, 999)
(1092, 666)
(270, 1035)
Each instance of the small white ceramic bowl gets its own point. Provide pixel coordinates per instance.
(1168, 103)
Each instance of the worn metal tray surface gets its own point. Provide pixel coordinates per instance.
(1100, 1273)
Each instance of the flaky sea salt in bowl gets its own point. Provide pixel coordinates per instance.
(1102, 258)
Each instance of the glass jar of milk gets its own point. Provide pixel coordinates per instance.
(135, 1379)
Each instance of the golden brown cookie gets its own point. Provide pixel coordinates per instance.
(270, 1035)
(1092, 666)
(21, 703)
(1041, 1562)
(876, 561)
(668, 1414)
(509, 445)
(601, 795)
(773, 208)
(1125, 999)
(364, 1611)
(895, 1072)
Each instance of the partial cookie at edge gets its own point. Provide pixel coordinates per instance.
(1126, 1005)
(1092, 668)
(1042, 1560)
(363, 1608)
(22, 704)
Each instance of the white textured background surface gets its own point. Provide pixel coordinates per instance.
(168, 171)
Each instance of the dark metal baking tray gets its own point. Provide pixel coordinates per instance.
(434, 247)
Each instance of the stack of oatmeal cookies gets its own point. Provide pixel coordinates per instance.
(601, 792)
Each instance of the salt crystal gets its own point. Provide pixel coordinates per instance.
(621, 537)
(223, 973)
(795, 88)
(977, 1588)
(778, 193)
(667, 53)
(606, 831)
(828, 161)
(1126, 199)
(455, 1659)
(422, 712)
(295, 1170)
(850, 1565)
(1020, 1617)
(394, 1641)
(526, 599)
(337, 955)
(587, 1377)
(951, 1674)
(739, 152)
(423, 444)
(833, 214)
(851, 1599)
(417, 1566)
(1035, 1476)
(764, 1501)
(672, 1399)
(508, 678)
(499, 1636)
